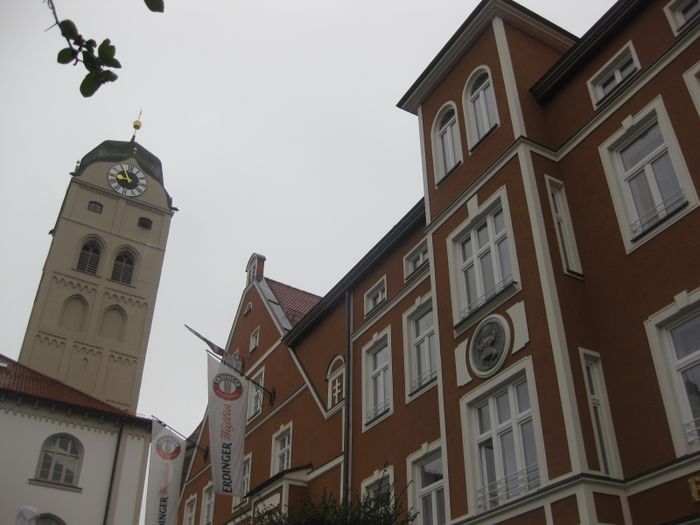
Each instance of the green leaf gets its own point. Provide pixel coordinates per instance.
(107, 76)
(68, 29)
(90, 84)
(90, 61)
(106, 53)
(157, 6)
(66, 56)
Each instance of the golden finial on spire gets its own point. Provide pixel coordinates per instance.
(137, 124)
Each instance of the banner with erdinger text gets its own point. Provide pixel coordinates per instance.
(166, 459)
(228, 394)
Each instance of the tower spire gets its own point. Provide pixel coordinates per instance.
(137, 126)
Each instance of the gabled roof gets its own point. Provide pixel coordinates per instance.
(20, 380)
(295, 303)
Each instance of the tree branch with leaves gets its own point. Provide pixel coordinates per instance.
(99, 61)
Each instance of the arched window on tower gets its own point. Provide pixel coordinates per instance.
(60, 458)
(123, 269)
(480, 106)
(89, 257)
(113, 324)
(74, 313)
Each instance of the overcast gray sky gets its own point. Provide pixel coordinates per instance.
(278, 132)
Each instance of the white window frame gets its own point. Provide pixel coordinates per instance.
(375, 296)
(439, 165)
(564, 227)
(414, 386)
(426, 454)
(254, 339)
(685, 305)
(462, 310)
(256, 397)
(376, 477)
(206, 502)
(190, 512)
(675, 16)
(632, 126)
(480, 98)
(612, 70)
(279, 448)
(246, 467)
(601, 417)
(62, 458)
(692, 80)
(415, 260)
(335, 375)
(370, 407)
(523, 369)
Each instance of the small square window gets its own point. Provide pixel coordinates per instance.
(680, 13)
(416, 259)
(95, 207)
(375, 296)
(145, 223)
(613, 74)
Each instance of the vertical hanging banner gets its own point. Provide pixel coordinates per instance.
(166, 461)
(228, 394)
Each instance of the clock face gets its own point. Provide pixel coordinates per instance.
(127, 180)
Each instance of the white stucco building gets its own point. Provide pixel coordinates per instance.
(73, 458)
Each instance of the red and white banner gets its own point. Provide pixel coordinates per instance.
(228, 395)
(164, 472)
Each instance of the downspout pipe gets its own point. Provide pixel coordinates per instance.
(114, 469)
(348, 396)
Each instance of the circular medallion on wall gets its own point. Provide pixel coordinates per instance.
(489, 346)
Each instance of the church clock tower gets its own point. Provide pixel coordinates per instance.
(92, 314)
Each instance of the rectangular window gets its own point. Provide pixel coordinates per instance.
(237, 500)
(95, 207)
(692, 81)
(648, 179)
(190, 508)
(448, 141)
(564, 227)
(254, 339)
(207, 505)
(375, 296)
(613, 74)
(600, 414)
(376, 378)
(421, 347)
(505, 443)
(255, 399)
(683, 338)
(484, 261)
(416, 259)
(428, 478)
(282, 450)
(680, 13)
(380, 489)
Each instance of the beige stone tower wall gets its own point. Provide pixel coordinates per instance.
(87, 329)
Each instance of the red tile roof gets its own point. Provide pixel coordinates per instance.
(19, 379)
(294, 302)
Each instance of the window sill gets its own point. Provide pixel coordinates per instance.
(377, 418)
(54, 485)
(478, 313)
(651, 227)
(449, 172)
(604, 100)
(418, 271)
(375, 308)
(483, 139)
(420, 390)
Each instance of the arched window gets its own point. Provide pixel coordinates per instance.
(50, 519)
(123, 267)
(113, 324)
(60, 459)
(74, 313)
(89, 257)
(335, 376)
(480, 104)
(447, 150)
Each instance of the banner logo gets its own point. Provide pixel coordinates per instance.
(227, 386)
(168, 447)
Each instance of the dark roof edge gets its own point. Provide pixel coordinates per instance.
(408, 222)
(92, 410)
(458, 34)
(597, 36)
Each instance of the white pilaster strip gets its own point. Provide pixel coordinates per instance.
(516, 112)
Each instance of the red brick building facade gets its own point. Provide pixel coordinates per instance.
(523, 347)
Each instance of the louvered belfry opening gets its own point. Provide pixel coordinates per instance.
(89, 257)
(123, 268)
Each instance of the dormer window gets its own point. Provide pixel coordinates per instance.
(613, 74)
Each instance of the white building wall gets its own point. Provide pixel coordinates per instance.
(24, 428)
